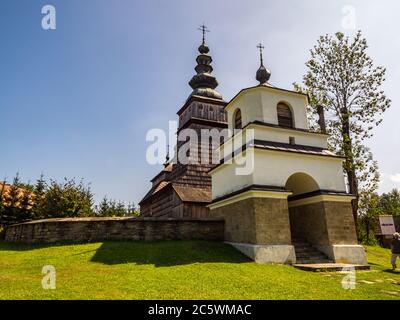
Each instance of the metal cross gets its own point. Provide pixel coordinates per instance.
(203, 29)
(261, 47)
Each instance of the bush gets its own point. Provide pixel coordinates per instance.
(2, 232)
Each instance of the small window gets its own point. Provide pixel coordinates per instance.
(292, 140)
(238, 119)
(285, 118)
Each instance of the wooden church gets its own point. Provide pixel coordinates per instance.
(184, 190)
(287, 202)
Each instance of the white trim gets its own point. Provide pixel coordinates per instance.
(296, 154)
(288, 130)
(250, 194)
(273, 128)
(321, 198)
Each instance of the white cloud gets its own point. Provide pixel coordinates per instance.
(395, 177)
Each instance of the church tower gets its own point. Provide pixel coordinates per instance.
(183, 187)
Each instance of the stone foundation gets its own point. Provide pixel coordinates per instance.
(349, 254)
(101, 229)
(257, 224)
(262, 224)
(255, 220)
(326, 222)
(323, 223)
(282, 254)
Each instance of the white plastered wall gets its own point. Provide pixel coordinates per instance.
(260, 103)
(273, 168)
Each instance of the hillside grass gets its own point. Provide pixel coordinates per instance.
(177, 270)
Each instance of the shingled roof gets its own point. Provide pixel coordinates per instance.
(188, 194)
(155, 189)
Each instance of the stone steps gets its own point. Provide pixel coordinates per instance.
(307, 254)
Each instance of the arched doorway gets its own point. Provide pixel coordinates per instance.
(307, 221)
(301, 183)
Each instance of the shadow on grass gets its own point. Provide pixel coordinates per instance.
(167, 253)
(157, 253)
(17, 246)
(397, 271)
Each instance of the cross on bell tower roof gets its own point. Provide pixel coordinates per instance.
(203, 82)
(263, 74)
(261, 47)
(203, 28)
(203, 47)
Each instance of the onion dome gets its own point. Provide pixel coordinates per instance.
(263, 74)
(204, 83)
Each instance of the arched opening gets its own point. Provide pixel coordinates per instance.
(237, 119)
(301, 183)
(307, 221)
(285, 116)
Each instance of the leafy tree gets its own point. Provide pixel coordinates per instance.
(390, 202)
(343, 79)
(368, 218)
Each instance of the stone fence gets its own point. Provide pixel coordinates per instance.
(100, 229)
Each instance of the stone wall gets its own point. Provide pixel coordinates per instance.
(309, 222)
(324, 223)
(340, 222)
(263, 221)
(99, 229)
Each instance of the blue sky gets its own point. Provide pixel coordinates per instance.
(78, 101)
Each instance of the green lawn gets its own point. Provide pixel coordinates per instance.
(177, 270)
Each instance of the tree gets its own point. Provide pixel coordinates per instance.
(2, 201)
(390, 202)
(120, 210)
(25, 206)
(369, 212)
(132, 210)
(343, 79)
(39, 192)
(104, 208)
(67, 199)
(11, 202)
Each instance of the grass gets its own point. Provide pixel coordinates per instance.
(177, 270)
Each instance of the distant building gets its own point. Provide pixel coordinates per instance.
(5, 190)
